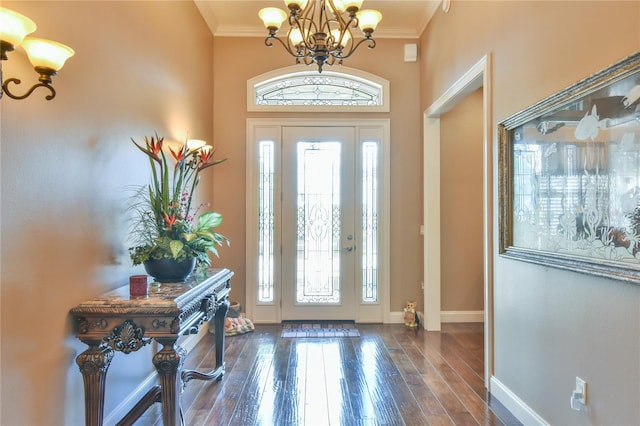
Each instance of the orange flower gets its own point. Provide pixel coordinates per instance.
(179, 156)
(155, 146)
(170, 220)
(206, 153)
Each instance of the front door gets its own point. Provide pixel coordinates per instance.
(317, 219)
(318, 223)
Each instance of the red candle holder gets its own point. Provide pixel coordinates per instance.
(138, 285)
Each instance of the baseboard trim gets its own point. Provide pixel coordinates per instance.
(396, 317)
(515, 405)
(462, 316)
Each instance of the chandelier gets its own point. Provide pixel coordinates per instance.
(321, 30)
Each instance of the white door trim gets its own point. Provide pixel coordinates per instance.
(477, 76)
(271, 313)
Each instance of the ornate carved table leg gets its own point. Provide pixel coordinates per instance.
(168, 362)
(94, 363)
(218, 371)
(219, 323)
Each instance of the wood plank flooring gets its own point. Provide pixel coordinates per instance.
(391, 375)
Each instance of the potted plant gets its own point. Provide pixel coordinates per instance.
(170, 237)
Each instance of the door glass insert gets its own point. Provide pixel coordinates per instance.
(266, 214)
(369, 222)
(318, 223)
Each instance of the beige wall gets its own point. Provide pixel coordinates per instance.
(238, 59)
(461, 206)
(146, 66)
(550, 325)
(139, 67)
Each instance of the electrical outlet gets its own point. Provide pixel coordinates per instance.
(581, 389)
(579, 395)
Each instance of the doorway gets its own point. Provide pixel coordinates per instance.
(318, 220)
(478, 76)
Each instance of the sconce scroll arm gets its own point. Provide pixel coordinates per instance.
(5, 89)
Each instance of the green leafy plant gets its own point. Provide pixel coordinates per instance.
(164, 223)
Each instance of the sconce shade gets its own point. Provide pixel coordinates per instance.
(46, 53)
(14, 26)
(195, 144)
(369, 19)
(272, 17)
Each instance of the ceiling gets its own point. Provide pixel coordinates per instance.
(239, 18)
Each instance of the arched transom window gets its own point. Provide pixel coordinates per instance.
(289, 89)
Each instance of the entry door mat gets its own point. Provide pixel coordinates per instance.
(313, 329)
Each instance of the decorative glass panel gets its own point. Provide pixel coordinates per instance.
(562, 194)
(311, 89)
(370, 222)
(318, 223)
(266, 212)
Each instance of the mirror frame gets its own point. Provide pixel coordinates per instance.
(509, 132)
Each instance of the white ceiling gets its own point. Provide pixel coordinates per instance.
(239, 18)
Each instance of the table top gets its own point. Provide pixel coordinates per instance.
(160, 296)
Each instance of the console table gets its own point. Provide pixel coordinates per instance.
(115, 321)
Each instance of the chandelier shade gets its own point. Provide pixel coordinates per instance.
(321, 31)
(272, 17)
(369, 19)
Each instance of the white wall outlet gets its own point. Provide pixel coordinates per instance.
(581, 388)
(579, 395)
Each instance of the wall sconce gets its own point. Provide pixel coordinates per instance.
(195, 144)
(46, 56)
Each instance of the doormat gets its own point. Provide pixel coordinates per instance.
(319, 329)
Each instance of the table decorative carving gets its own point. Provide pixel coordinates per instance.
(117, 322)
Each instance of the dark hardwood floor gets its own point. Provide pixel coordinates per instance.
(391, 375)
